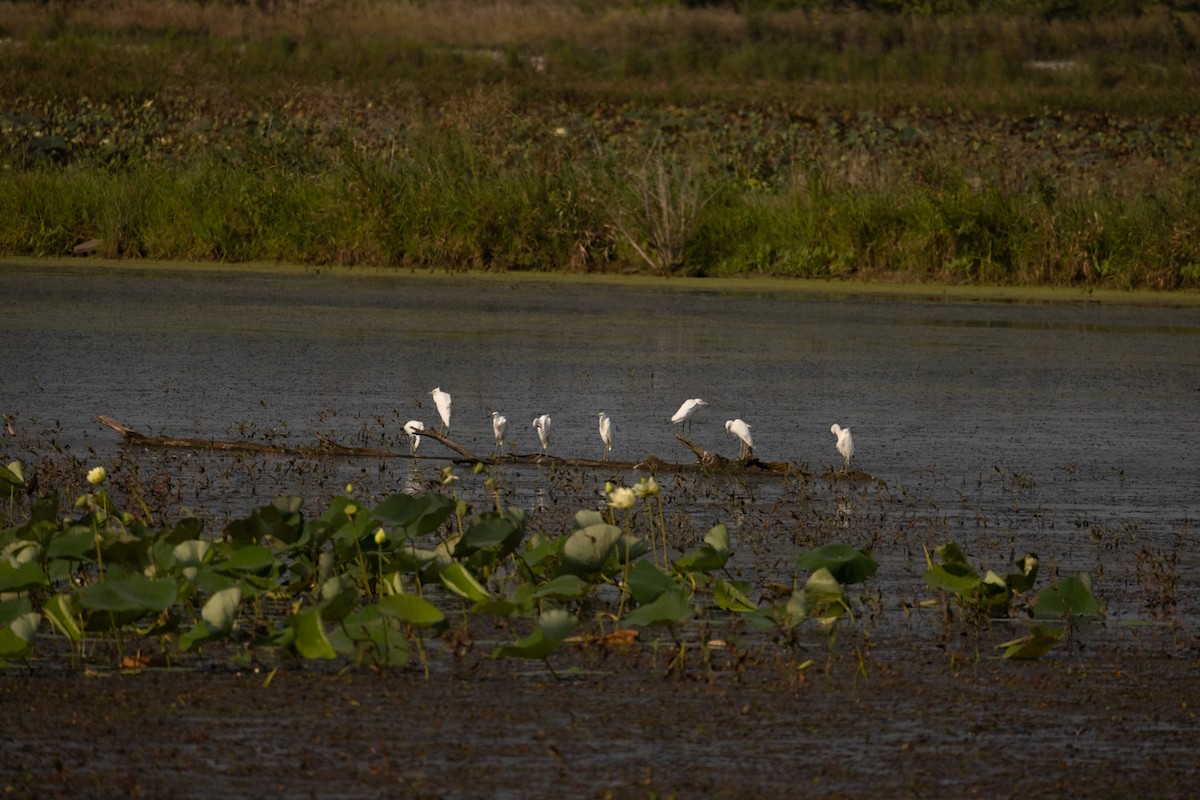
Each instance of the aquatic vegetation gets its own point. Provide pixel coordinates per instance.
(992, 596)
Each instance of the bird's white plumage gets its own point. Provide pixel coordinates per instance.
(442, 401)
(845, 442)
(742, 431)
(542, 425)
(499, 428)
(411, 427)
(688, 409)
(607, 429)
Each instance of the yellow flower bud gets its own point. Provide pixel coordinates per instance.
(96, 476)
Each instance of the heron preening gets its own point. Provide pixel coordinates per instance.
(742, 431)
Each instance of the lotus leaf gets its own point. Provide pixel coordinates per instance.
(12, 479)
(375, 636)
(281, 520)
(311, 640)
(1037, 643)
(414, 515)
(732, 596)
(669, 608)
(29, 575)
(133, 593)
(710, 556)
(253, 558)
(1069, 597)
(76, 544)
(846, 564)
(221, 609)
(553, 626)
(191, 553)
(588, 549)
(564, 587)
(647, 582)
(411, 609)
(822, 599)
(458, 579)
(17, 634)
(501, 531)
(64, 613)
(339, 596)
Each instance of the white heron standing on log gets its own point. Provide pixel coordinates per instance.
(414, 441)
(607, 429)
(542, 425)
(442, 401)
(845, 444)
(499, 428)
(688, 410)
(742, 431)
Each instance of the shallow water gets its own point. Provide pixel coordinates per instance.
(1056, 424)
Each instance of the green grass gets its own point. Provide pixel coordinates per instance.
(997, 147)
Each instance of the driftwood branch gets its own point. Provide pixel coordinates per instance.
(705, 461)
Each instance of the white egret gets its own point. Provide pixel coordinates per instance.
(542, 424)
(499, 428)
(688, 410)
(845, 443)
(442, 401)
(411, 427)
(607, 429)
(742, 431)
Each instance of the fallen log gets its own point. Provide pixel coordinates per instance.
(324, 445)
(705, 461)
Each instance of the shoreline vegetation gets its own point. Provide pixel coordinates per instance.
(1035, 144)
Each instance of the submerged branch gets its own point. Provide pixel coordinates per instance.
(705, 461)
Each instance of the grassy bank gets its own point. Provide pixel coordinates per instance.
(1013, 147)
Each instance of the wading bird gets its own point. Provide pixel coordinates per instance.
(442, 401)
(542, 424)
(607, 428)
(499, 428)
(411, 427)
(688, 410)
(845, 443)
(742, 431)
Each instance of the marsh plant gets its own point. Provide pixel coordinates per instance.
(993, 596)
(387, 581)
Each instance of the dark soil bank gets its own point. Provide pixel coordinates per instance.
(902, 724)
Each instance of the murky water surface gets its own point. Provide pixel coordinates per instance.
(1070, 429)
